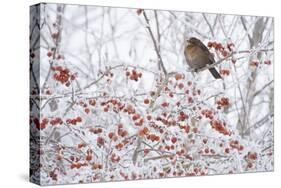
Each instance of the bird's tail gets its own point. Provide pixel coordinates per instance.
(215, 73)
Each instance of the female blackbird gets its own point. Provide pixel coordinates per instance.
(198, 56)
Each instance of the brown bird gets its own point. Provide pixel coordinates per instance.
(198, 56)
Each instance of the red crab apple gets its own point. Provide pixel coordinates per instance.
(174, 140)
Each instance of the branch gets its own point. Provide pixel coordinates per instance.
(154, 43)
(225, 58)
(265, 86)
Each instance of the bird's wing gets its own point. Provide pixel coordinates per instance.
(207, 52)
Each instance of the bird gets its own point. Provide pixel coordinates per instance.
(197, 56)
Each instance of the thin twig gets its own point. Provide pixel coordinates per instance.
(154, 43)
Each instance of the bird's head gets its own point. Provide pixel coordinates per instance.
(192, 41)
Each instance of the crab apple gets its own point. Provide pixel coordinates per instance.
(124, 133)
(174, 140)
(55, 35)
(187, 129)
(224, 53)
(79, 119)
(267, 62)
(100, 141)
(89, 157)
(110, 135)
(250, 165)
(252, 155)
(178, 76)
(165, 104)
(181, 85)
(224, 72)
(139, 11)
(146, 101)
(49, 53)
(241, 148)
(146, 151)
(81, 145)
(190, 100)
(95, 166)
(86, 110)
(136, 117)
(210, 44)
(205, 140)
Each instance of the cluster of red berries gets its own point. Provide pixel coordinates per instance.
(134, 75)
(56, 121)
(96, 166)
(223, 102)
(255, 63)
(129, 109)
(207, 113)
(252, 155)
(153, 137)
(220, 127)
(53, 175)
(186, 128)
(40, 125)
(138, 120)
(121, 132)
(62, 75)
(116, 105)
(207, 151)
(224, 72)
(77, 165)
(224, 50)
(144, 131)
(89, 155)
(95, 130)
(182, 116)
(235, 145)
(119, 146)
(74, 121)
